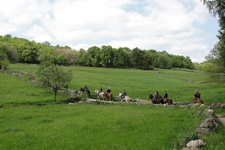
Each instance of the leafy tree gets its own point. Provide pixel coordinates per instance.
(147, 61)
(8, 35)
(13, 54)
(217, 54)
(47, 55)
(3, 56)
(106, 56)
(54, 77)
(164, 62)
(217, 8)
(136, 57)
(4, 64)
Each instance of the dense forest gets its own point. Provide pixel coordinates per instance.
(24, 51)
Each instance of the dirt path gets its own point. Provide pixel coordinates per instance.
(158, 73)
(222, 119)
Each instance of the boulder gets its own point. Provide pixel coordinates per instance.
(218, 105)
(196, 144)
(203, 131)
(210, 112)
(207, 126)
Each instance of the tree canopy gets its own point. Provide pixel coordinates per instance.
(53, 76)
(25, 51)
(217, 54)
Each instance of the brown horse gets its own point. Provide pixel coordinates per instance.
(198, 100)
(159, 100)
(109, 96)
(169, 101)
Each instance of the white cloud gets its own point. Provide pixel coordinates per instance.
(83, 23)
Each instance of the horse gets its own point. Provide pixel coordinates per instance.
(169, 101)
(87, 91)
(159, 100)
(197, 100)
(109, 96)
(126, 98)
(99, 94)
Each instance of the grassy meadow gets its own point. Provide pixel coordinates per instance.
(25, 125)
(94, 127)
(141, 83)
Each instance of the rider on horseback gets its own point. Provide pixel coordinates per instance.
(124, 93)
(108, 91)
(156, 95)
(85, 88)
(197, 96)
(100, 90)
(165, 95)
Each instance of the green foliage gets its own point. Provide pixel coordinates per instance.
(22, 50)
(3, 57)
(4, 64)
(84, 96)
(216, 8)
(217, 54)
(54, 77)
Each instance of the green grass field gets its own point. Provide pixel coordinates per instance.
(94, 127)
(25, 125)
(16, 91)
(140, 83)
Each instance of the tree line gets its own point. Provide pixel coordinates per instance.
(215, 61)
(24, 51)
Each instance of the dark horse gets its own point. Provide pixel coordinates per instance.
(87, 91)
(159, 100)
(169, 101)
(109, 96)
(197, 100)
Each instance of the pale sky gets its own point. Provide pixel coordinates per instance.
(181, 27)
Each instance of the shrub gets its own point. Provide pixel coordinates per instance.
(5, 64)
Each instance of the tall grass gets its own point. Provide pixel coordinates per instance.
(94, 127)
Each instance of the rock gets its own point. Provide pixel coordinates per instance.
(71, 103)
(202, 105)
(204, 131)
(196, 143)
(197, 104)
(80, 102)
(20, 76)
(210, 112)
(218, 105)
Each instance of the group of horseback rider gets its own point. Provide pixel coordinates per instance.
(157, 95)
(107, 92)
(197, 95)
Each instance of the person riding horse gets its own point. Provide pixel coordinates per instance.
(124, 93)
(100, 90)
(85, 88)
(165, 95)
(156, 95)
(197, 95)
(108, 91)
